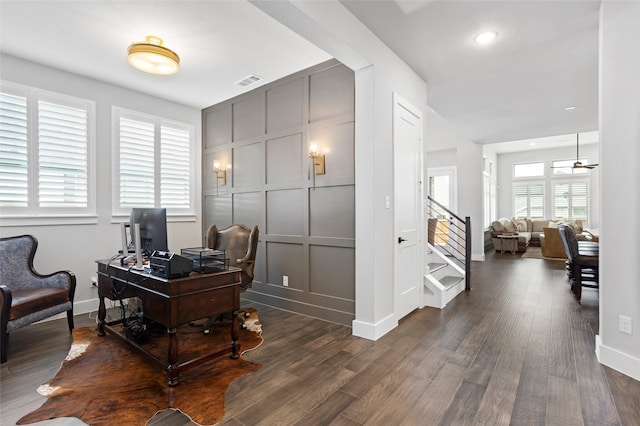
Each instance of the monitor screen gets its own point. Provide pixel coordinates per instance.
(153, 229)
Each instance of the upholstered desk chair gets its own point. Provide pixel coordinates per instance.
(240, 244)
(583, 263)
(25, 295)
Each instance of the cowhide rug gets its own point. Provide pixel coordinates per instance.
(104, 381)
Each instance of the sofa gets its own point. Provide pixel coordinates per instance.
(514, 227)
(529, 231)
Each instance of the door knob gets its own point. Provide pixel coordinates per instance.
(400, 240)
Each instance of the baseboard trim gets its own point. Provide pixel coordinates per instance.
(619, 361)
(302, 308)
(373, 331)
(477, 257)
(86, 306)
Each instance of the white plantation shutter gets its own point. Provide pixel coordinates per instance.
(62, 156)
(47, 142)
(561, 200)
(529, 200)
(536, 201)
(155, 163)
(175, 168)
(570, 200)
(14, 172)
(137, 159)
(579, 201)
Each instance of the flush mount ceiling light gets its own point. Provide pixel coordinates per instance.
(152, 57)
(485, 38)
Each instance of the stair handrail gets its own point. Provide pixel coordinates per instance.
(467, 239)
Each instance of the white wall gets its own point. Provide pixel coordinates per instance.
(620, 174)
(76, 247)
(441, 141)
(505, 178)
(379, 73)
(443, 158)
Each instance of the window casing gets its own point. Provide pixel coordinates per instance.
(528, 199)
(153, 163)
(571, 200)
(47, 160)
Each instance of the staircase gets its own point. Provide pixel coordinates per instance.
(447, 269)
(443, 279)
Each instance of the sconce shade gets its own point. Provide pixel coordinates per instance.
(318, 162)
(221, 174)
(152, 57)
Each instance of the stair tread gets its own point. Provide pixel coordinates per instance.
(449, 281)
(434, 266)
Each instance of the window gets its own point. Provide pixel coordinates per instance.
(154, 163)
(490, 189)
(565, 167)
(46, 151)
(529, 200)
(528, 170)
(571, 200)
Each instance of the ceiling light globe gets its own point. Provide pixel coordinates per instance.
(486, 37)
(152, 57)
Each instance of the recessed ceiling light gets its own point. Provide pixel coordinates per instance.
(532, 144)
(569, 108)
(485, 38)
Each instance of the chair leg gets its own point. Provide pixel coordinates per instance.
(578, 290)
(70, 319)
(4, 342)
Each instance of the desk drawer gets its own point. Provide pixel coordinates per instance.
(194, 306)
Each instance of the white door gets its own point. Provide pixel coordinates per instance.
(407, 150)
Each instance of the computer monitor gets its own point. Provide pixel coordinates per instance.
(153, 229)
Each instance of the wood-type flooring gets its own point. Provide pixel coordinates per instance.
(518, 349)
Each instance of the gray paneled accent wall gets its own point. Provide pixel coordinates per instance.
(306, 234)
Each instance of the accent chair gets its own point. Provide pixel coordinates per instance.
(25, 295)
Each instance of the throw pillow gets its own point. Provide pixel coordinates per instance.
(552, 224)
(497, 226)
(509, 226)
(577, 225)
(520, 224)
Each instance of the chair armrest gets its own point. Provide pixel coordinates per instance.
(5, 302)
(249, 258)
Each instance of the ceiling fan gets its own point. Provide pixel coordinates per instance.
(578, 164)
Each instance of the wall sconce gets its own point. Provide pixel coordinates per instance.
(221, 174)
(318, 162)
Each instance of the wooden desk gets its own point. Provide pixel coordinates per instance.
(171, 303)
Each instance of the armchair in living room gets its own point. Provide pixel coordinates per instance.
(240, 244)
(25, 295)
(551, 243)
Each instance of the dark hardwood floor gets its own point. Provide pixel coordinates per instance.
(518, 349)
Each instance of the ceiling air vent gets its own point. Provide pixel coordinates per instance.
(249, 80)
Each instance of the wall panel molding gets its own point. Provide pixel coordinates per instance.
(306, 234)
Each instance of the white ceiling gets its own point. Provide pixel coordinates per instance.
(545, 58)
(219, 43)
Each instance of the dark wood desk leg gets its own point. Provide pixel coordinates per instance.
(235, 345)
(102, 313)
(172, 357)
